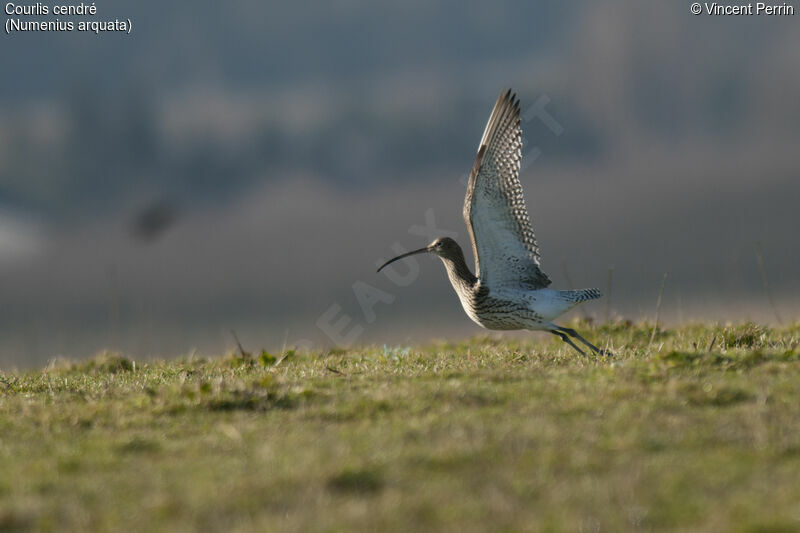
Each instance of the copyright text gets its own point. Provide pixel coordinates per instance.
(752, 8)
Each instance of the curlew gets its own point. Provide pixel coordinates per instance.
(509, 290)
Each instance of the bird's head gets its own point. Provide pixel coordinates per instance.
(443, 247)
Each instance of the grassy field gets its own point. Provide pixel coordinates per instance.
(698, 431)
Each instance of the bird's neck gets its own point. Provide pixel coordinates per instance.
(458, 272)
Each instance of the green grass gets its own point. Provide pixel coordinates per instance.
(483, 435)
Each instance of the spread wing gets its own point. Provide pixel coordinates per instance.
(505, 248)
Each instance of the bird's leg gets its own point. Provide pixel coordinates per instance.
(573, 333)
(570, 331)
(566, 339)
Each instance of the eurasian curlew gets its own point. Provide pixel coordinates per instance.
(509, 290)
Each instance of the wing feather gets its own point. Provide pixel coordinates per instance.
(506, 253)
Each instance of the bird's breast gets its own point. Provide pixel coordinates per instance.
(492, 311)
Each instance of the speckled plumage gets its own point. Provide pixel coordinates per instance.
(494, 209)
(509, 290)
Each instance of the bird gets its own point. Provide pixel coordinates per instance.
(509, 290)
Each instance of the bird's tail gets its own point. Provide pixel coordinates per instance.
(582, 295)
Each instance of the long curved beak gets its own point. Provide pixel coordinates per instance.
(420, 251)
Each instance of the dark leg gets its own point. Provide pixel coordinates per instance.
(572, 332)
(566, 339)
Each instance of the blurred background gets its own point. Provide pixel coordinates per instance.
(244, 166)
